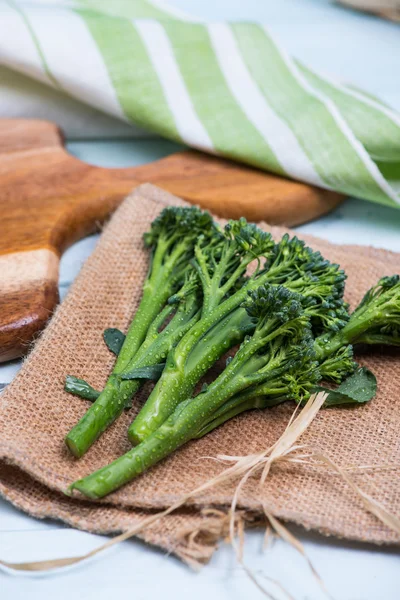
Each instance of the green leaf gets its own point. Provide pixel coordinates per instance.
(114, 338)
(151, 372)
(356, 389)
(80, 388)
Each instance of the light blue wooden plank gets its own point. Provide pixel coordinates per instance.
(135, 569)
(359, 222)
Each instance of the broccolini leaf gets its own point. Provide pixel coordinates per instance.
(114, 338)
(151, 372)
(81, 388)
(356, 389)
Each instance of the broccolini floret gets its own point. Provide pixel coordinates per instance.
(338, 365)
(320, 282)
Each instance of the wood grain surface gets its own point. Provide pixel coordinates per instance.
(49, 199)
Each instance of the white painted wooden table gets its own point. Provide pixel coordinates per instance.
(356, 48)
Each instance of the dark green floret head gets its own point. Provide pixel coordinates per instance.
(277, 301)
(295, 250)
(292, 250)
(388, 282)
(301, 350)
(304, 375)
(323, 277)
(291, 245)
(338, 365)
(287, 251)
(249, 238)
(329, 314)
(177, 221)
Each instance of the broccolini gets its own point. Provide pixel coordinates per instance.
(208, 290)
(224, 321)
(172, 239)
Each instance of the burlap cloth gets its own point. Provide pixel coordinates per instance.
(36, 414)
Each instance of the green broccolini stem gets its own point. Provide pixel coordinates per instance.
(373, 338)
(326, 345)
(244, 401)
(115, 395)
(118, 392)
(205, 342)
(177, 383)
(158, 343)
(157, 288)
(148, 310)
(179, 428)
(219, 266)
(108, 406)
(123, 469)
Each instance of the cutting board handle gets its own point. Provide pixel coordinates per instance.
(49, 199)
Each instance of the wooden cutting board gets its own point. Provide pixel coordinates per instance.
(49, 199)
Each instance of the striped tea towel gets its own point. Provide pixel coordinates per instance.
(225, 88)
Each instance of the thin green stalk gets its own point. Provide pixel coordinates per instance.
(191, 358)
(241, 403)
(179, 428)
(117, 393)
(177, 383)
(138, 329)
(156, 291)
(108, 406)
